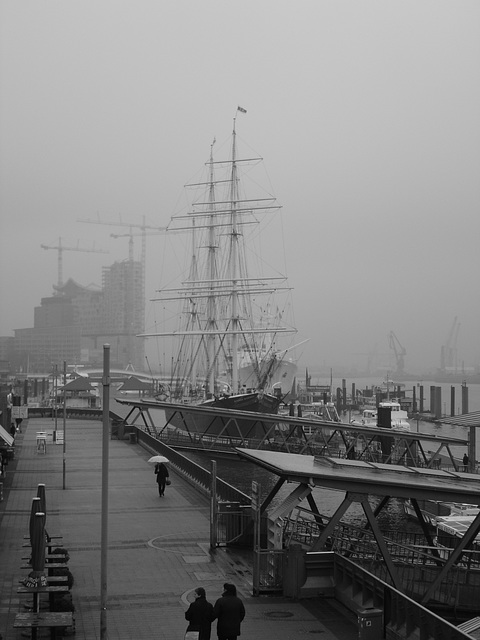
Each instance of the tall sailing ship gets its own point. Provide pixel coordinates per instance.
(229, 353)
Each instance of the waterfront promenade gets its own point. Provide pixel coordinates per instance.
(158, 548)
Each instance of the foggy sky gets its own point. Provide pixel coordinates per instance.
(366, 113)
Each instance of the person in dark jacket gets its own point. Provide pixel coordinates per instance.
(229, 612)
(162, 474)
(200, 615)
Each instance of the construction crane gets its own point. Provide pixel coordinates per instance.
(399, 351)
(143, 227)
(60, 248)
(131, 235)
(130, 243)
(130, 284)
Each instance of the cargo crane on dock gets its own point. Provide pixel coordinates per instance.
(399, 351)
(448, 354)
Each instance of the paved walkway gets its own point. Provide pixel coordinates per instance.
(158, 548)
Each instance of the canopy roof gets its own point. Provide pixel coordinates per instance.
(368, 477)
(78, 384)
(465, 420)
(6, 437)
(134, 384)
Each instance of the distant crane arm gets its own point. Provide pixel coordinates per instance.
(399, 351)
(60, 248)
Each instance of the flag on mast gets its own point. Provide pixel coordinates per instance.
(241, 109)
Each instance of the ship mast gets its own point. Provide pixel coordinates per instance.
(234, 235)
(211, 303)
(218, 293)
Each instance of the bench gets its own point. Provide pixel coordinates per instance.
(51, 544)
(49, 589)
(48, 565)
(48, 556)
(52, 537)
(36, 591)
(52, 579)
(45, 619)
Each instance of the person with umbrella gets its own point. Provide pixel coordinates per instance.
(161, 473)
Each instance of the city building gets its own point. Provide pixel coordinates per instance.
(73, 325)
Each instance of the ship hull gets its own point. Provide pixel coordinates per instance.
(220, 426)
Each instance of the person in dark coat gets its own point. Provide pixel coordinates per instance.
(162, 474)
(200, 615)
(229, 612)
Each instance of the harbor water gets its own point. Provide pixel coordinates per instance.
(240, 473)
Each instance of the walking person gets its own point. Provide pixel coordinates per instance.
(465, 462)
(200, 616)
(162, 474)
(229, 611)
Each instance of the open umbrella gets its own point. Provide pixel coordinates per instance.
(158, 459)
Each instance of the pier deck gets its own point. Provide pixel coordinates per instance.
(158, 548)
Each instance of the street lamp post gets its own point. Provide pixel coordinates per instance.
(64, 421)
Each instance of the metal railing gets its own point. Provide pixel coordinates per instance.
(191, 471)
(416, 564)
(233, 522)
(359, 589)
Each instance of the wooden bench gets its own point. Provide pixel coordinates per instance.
(51, 537)
(48, 557)
(48, 565)
(49, 589)
(44, 619)
(52, 579)
(37, 591)
(49, 545)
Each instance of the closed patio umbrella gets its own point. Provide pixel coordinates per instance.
(36, 507)
(43, 498)
(43, 503)
(38, 549)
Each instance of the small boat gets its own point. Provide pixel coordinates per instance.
(463, 509)
(430, 510)
(449, 531)
(399, 418)
(232, 323)
(435, 511)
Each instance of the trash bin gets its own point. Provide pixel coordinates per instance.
(370, 624)
(293, 570)
(133, 437)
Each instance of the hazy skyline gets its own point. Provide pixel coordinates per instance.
(367, 116)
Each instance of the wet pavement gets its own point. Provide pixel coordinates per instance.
(158, 548)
